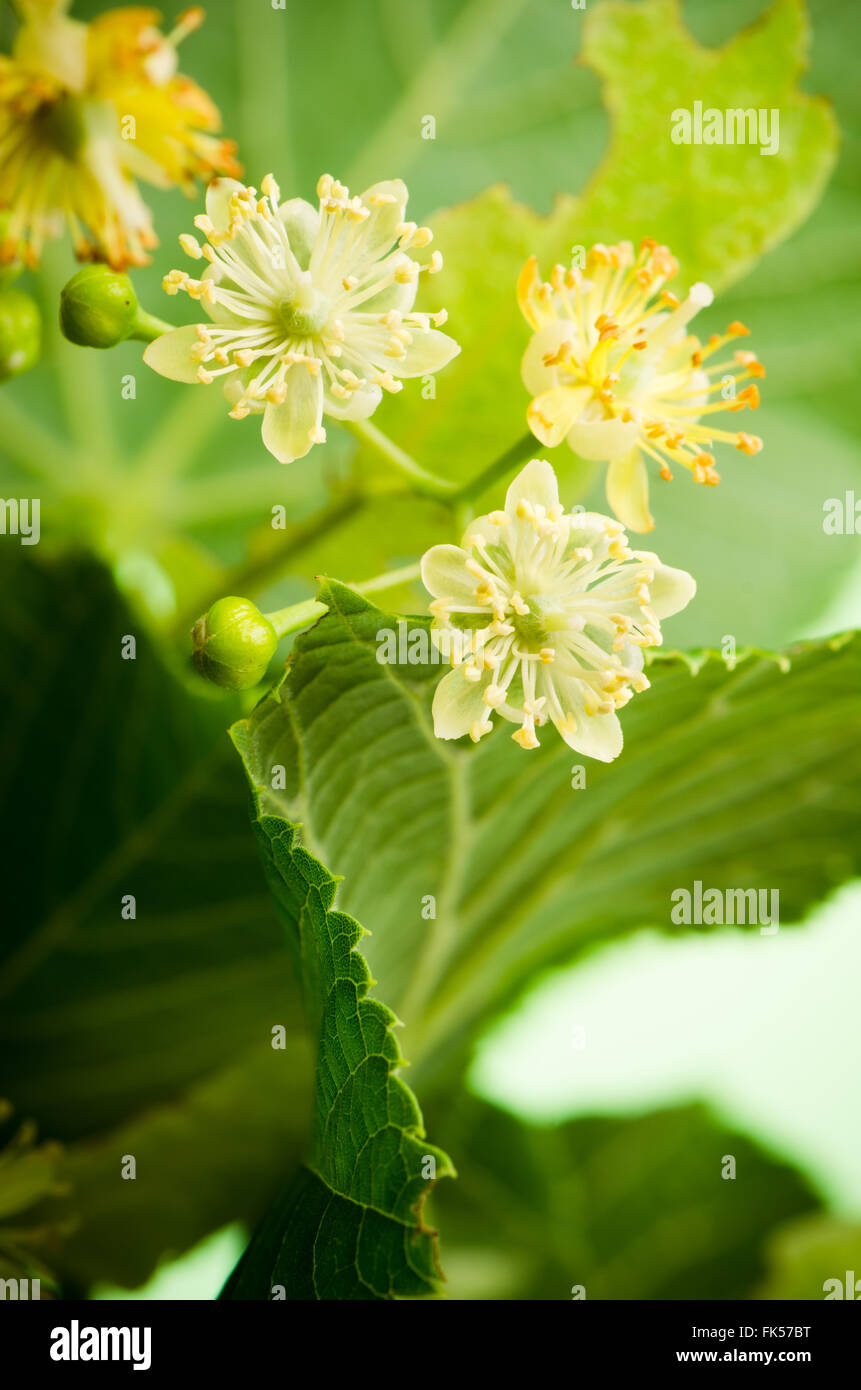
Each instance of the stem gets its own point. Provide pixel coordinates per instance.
(405, 575)
(256, 574)
(147, 327)
(500, 466)
(296, 616)
(423, 482)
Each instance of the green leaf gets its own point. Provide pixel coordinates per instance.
(29, 1177)
(738, 778)
(351, 1225)
(123, 1035)
(813, 1258)
(627, 1208)
(214, 1154)
(123, 786)
(719, 206)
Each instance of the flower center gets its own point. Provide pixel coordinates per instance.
(63, 125)
(535, 628)
(305, 313)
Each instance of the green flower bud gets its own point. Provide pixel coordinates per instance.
(233, 643)
(20, 333)
(99, 308)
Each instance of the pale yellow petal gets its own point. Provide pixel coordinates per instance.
(170, 355)
(628, 491)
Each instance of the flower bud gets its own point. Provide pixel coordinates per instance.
(233, 643)
(20, 333)
(99, 308)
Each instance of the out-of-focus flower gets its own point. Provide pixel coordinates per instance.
(85, 111)
(550, 611)
(311, 308)
(612, 367)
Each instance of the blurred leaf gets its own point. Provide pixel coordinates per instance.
(627, 1208)
(814, 1258)
(124, 784)
(213, 1155)
(350, 1225)
(737, 778)
(29, 1175)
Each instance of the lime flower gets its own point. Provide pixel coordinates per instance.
(612, 367)
(547, 613)
(311, 309)
(85, 110)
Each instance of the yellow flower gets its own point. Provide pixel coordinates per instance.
(85, 111)
(612, 367)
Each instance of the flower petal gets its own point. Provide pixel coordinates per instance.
(458, 704)
(287, 428)
(235, 386)
(628, 491)
(537, 377)
(586, 527)
(552, 414)
(595, 735)
(218, 196)
(536, 483)
(361, 403)
(602, 440)
(427, 353)
(598, 736)
(301, 222)
(395, 296)
(170, 355)
(444, 573)
(377, 232)
(670, 591)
